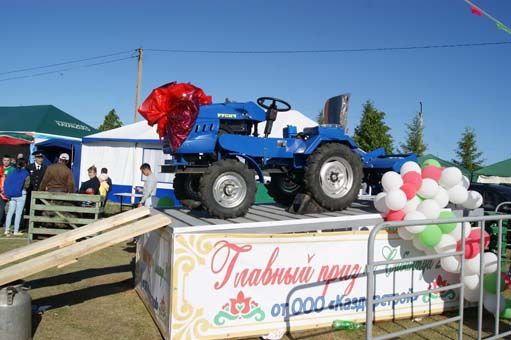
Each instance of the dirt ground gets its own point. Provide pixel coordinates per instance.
(94, 299)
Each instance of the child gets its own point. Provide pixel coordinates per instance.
(103, 186)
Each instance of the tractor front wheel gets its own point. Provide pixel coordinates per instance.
(186, 189)
(283, 189)
(333, 176)
(227, 189)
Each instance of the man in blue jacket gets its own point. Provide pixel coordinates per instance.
(15, 187)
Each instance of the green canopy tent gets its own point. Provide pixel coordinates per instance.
(445, 163)
(498, 173)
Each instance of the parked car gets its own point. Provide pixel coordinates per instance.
(493, 195)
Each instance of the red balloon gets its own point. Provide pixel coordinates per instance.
(413, 178)
(507, 280)
(395, 215)
(432, 172)
(471, 248)
(409, 190)
(475, 234)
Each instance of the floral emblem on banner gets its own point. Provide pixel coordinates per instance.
(241, 307)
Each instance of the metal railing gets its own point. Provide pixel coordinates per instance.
(371, 282)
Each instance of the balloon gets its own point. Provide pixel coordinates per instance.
(409, 190)
(490, 303)
(430, 209)
(432, 172)
(457, 194)
(450, 177)
(475, 235)
(391, 180)
(431, 161)
(412, 205)
(447, 244)
(490, 262)
(442, 197)
(405, 234)
(431, 236)
(417, 243)
(472, 248)
(414, 178)
(465, 182)
(490, 283)
(450, 264)
(428, 189)
(507, 280)
(395, 199)
(410, 166)
(471, 295)
(456, 233)
(414, 216)
(506, 314)
(395, 215)
(472, 265)
(379, 203)
(474, 200)
(471, 281)
(447, 227)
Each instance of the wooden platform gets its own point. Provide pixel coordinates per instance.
(272, 218)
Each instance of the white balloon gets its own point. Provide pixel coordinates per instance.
(417, 244)
(428, 189)
(430, 251)
(414, 216)
(490, 262)
(410, 166)
(391, 180)
(465, 182)
(450, 177)
(472, 265)
(471, 282)
(404, 234)
(471, 295)
(458, 194)
(442, 197)
(450, 264)
(474, 200)
(456, 233)
(379, 203)
(490, 302)
(411, 205)
(430, 209)
(395, 200)
(447, 244)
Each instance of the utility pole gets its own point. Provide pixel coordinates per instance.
(421, 119)
(139, 81)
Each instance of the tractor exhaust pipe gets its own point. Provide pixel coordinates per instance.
(335, 111)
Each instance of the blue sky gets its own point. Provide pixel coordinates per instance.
(458, 87)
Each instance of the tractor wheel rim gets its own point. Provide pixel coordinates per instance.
(336, 177)
(229, 189)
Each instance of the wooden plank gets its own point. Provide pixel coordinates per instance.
(72, 235)
(49, 231)
(91, 245)
(267, 215)
(183, 216)
(30, 222)
(66, 197)
(56, 212)
(280, 212)
(64, 220)
(67, 208)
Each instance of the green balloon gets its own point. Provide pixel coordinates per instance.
(430, 236)
(447, 227)
(490, 283)
(431, 161)
(506, 314)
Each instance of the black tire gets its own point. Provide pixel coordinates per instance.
(228, 172)
(186, 189)
(338, 188)
(283, 189)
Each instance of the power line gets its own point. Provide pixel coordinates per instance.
(67, 69)
(66, 62)
(370, 49)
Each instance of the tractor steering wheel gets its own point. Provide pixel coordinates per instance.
(273, 104)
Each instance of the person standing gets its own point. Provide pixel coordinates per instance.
(150, 186)
(36, 171)
(6, 161)
(15, 187)
(109, 181)
(92, 185)
(58, 177)
(5, 169)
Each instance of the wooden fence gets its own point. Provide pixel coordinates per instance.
(52, 213)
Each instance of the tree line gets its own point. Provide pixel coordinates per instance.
(372, 133)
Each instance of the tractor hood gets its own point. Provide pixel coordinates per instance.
(239, 111)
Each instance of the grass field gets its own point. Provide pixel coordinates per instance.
(94, 299)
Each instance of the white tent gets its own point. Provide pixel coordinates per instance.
(124, 149)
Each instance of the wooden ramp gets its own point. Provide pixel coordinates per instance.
(113, 230)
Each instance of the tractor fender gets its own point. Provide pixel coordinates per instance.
(252, 162)
(314, 142)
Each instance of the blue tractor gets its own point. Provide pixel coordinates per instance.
(218, 163)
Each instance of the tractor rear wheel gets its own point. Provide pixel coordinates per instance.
(283, 189)
(227, 189)
(333, 176)
(186, 189)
